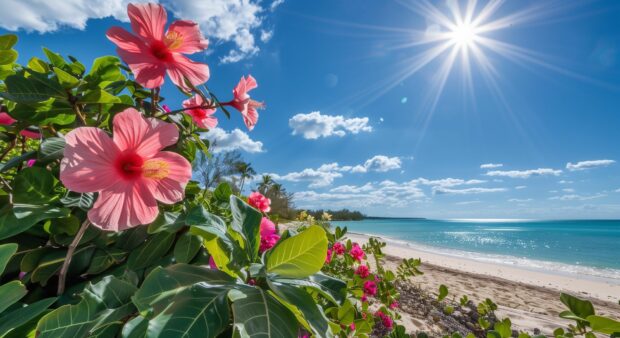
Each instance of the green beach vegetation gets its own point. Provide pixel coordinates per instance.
(103, 234)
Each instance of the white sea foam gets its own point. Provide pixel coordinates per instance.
(580, 271)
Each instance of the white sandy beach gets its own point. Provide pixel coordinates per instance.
(530, 298)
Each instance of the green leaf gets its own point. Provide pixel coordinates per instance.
(331, 288)
(102, 303)
(10, 293)
(38, 65)
(65, 79)
(257, 313)
(6, 252)
(98, 96)
(503, 328)
(51, 149)
(55, 58)
(45, 112)
(22, 217)
(603, 324)
(104, 259)
(15, 161)
(443, 292)
(167, 221)
(7, 57)
(83, 201)
(51, 263)
(246, 221)
(580, 309)
(222, 192)
(163, 284)
(36, 88)
(305, 304)
(187, 247)
(200, 310)
(7, 41)
(33, 186)
(105, 69)
(135, 328)
(299, 256)
(150, 251)
(24, 314)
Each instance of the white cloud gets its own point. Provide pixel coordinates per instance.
(565, 182)
(618, 190)
(235, 140)
(275, 4)
(466, 191)
(583, 165)
(524, 173)
(574, 197)
(491, 165)
(265, 36)
(314, 125)
(379, 163)
(234, 21)
(519, 187)
(568, 190)
(467, 202)
(520, 200)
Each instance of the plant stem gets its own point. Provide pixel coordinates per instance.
(62, 276)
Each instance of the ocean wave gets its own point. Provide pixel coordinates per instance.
(581, 271)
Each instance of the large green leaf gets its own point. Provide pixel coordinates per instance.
(603, 324)
(17, 160)
(7, 56)
(101, 304)
(83, 201)
(579, 309)
(98, 96)
(105, 69)
(331, 288)
(22, 315)
(150, 251)
(6, 252)
(52, 262)
(167, 221)
(104, 259)
(65, 79)
(306, 305)
(258, 314)
(33, 186)
(187, 247)
(45, 112)
(161, 285)
(7, 41)
(21, 217)
(10, 293)
(51, 149)
(200, 310)
(299, 256)
(246, 221)
(135, 328)
(36, 88)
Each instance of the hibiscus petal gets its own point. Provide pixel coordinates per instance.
(197, 73)
(123, 206)
(250, 83)
(171, 188)
(88, 160)
(6, 119)
(145, 136)
(125, 40)
(189, 33)
(148, 20)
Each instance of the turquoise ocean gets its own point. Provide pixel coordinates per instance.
(589, 248)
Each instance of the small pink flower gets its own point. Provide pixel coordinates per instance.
(251, 281)
(151, 52)
(394, 305)
(386, 320)
(328, 258)
(352, 326)
(260, 202)
(21, 275)
(203, 117)
(268, 234)
(242, 102)
(370, 288)
(129, 170)
(364, 299)
(356, 252)
(339, 248)
(212, 264)
(30, 163)
(165, 108)
(362, 271)
(7, 120)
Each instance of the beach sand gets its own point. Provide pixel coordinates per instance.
(530, 298)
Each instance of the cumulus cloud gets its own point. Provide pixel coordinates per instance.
(584, 165)
(575, 197)
(465, 191)
(379, 163)
(519, 187)
(524, 173)
(491, 165)
(223, 141)
(315, 125)
(236, 21)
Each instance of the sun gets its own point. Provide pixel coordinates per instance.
(463, 35)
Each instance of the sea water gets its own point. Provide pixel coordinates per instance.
(583, 247)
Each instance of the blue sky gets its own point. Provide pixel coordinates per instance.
(352, 121)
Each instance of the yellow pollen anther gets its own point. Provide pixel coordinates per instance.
(155, 169)
(173, 40)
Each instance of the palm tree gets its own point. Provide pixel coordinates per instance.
(245, 171)
(266, 182)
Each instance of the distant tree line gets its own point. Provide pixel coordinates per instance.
(338, 215)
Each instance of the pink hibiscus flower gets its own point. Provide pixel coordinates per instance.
(339, 248)
(129, 171)
(7, 120)
(243, 103)
(385, 319)
(152, 52)
(356, 252)
(362, 271)
(328, 257)
(370, 288)
(268, 234)
(260, 202)
(203, 117)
